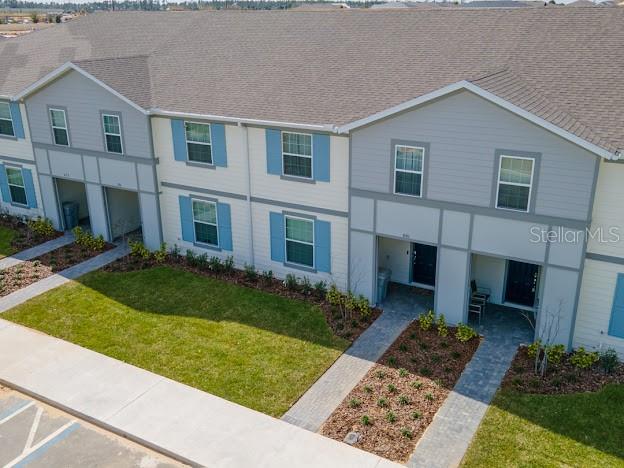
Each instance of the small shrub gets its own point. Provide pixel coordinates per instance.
(444, 344)
(405, 432)
(403, 372)
(392, 388)
(416, 384)
(190, 257)
(366, 420)
(228, 265)
(175, 252)
(423, 346)
(416, 415)
(392, 361)
(350, 302)
(435, 358)
(202, 261)
(267, 277)
(41, 227)
(215, 265)
(403, 347)
(363, 306)
(426, 320)
(320, 289)
(608, 360)
(441, 325)
(425, 372)
(391, 417)
(160, 255)
(355, 403)
(250, 273)
(447, 370)
(555, 353)
(412, 336)
(368, 389)
(291, 283)
(465, 333)
(138, 250)
(382, 402)
(455, 354)
(533, 349)
(380, 374)
(306, 286)
(584, 359)
(98, 243)
(334, 296)
(429, 396)
(403, 400)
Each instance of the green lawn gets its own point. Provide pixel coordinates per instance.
(6, 236)
(250, 347)
(584, 429)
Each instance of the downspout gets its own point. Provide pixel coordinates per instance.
(245, 129)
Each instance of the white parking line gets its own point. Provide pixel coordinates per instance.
(47, 441)
(33, 429)
(20, 410)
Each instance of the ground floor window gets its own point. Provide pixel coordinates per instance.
(16, 185)
(205, 222)
(300, 241)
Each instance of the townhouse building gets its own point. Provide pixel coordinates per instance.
(329, 151)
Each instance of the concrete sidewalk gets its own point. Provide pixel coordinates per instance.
(36, 251)
(173, 418)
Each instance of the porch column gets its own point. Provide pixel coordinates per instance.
(50, 203)
(362, 264)
(556, 312)
(97, 210)
(452, 284)
(150, 221)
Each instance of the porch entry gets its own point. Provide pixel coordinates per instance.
(521, 283)
(72, 204)
(124, 214)
(424, 263)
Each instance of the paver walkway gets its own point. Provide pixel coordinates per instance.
(37, 250)
(320, 401)
(447, 438)
(197, 427)
(22, 295)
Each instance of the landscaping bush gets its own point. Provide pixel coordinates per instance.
(305, 286)
(363, 306)
(41, 227)
(555, 353)
(584, 359)
(465, 333)
(228, 265)
(138, 250)
(215, 265)
(291, 283)
(160, 255)
(426, 321)
(608, 360)
(320, 289)
(534, 348)
(267, 277)
(250, 273)
(442, 327)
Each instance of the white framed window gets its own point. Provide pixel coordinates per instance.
(297, 155)
(198, 143)
(299, 234)
(409, 162)
(16, 185)
(205, 222)
(58, 120)
(515, 180)
(112, 133)
(6, 120)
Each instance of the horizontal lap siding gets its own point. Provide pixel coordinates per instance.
(83, 100)
(232, 178)
(21, 148)
(464, 132)
(16, 210)
(594, 308)
(262, 246)
(330, 195)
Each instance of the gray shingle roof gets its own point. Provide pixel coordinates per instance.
(564, 64)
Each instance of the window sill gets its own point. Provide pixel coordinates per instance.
(200, 164)
(300, 267)
(514, 210)
(8, 137)
(298, 179)
(202, 245)
(407, 195)
(19, 205)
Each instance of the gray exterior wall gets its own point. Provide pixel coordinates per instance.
(84, 100)
(464, 133)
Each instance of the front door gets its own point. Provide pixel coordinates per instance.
(521, 283)
(424, 259)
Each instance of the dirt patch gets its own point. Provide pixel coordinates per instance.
(26, 273)
(25, 238)
(397, 399)
(349, 327)
(559, 379)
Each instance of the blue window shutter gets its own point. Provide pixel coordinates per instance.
(274, 151)
(179, 139)
(29, 186)
(224, 218)
(320, 158)
(277, 237)
(186, 218)
(616, 324)
(322, 245)
(219, 151)
(4, 185)
(16, 116)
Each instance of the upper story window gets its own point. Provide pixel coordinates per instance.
(198, 143)
(16, 185)
(58, 120)
(6, 121)
(408, 170)
(515, 179)
(297, 154)
(112, 133)
(205, 222)
(299, 241)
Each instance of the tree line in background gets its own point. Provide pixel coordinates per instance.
(161, 5)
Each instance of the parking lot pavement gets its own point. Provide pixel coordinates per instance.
(33, 434)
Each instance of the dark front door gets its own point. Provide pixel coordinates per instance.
(424, 264)
(521, 283)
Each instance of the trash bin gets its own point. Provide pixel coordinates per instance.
(383, 278)
(70, 215)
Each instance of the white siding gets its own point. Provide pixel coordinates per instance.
(594, 307)
(21, 148)
(608, 210)
(16, 210)
(262, 246)
(332, 195)
(395, 255)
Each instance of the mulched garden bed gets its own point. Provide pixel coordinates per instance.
(349, 328)
(25, 237)
(401, 394)
(26, 273)
(562, 378)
